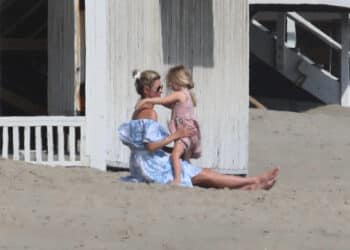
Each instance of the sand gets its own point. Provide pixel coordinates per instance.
(82, 208)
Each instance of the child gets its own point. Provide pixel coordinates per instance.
(182, 103)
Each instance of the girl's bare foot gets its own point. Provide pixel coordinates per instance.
(175, 182)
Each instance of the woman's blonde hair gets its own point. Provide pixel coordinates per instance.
(181, 76)
(144, 78)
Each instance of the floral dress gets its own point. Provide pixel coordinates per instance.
(153, 166)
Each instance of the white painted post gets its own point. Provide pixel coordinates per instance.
(82, 144)
(60, 144)
(50, 148)
(38, 144)
(15, 139)
(281, 29)
(345, 66)
(72, 143)
(27, 143)
(96, 82)
(5, 142)
(77, 49)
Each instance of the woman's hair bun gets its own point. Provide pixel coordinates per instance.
(136, 74)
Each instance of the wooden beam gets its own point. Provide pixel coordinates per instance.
(26, 44)
(256, 103)
(22, 18)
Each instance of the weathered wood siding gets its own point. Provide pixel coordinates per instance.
(209, 36)
(61, 56)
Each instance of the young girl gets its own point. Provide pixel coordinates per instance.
(182, 103)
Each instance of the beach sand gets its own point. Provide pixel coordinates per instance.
(44, 208)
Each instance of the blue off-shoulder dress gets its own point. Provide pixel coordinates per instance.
(153, 166)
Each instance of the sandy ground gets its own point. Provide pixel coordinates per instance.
(81, 208)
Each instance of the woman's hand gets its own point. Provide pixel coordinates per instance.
(185, 132)
(179, 133)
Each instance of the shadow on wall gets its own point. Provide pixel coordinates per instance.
(187, 32)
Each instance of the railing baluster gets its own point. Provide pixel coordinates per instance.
(49, 144)
(60, 144)
(27, 143)
(15, 139)
(72, 143)
(38, 144)
(82, 143)
(5, 142)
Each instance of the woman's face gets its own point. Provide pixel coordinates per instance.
(155, 91)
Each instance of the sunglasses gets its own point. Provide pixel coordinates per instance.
(159, 89)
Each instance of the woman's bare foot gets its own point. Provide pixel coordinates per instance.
(265, 180)
(268, 175)
(265, 185)
(269, 184)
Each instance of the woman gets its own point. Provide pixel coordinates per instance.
(149, 162)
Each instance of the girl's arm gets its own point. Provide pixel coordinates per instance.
(181, 132)
(167, 101)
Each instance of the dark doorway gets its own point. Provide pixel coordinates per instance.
(23, 57)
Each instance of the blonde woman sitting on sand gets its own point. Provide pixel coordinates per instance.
(181, 102)
(149, 163)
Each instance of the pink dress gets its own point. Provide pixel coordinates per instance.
(183, 116)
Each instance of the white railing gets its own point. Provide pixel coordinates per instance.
(51, 140)
(314, 30)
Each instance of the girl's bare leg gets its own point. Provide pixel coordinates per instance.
(175, 159)
(210, 178)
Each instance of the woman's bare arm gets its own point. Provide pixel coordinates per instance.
(152, 146)
(179, 133)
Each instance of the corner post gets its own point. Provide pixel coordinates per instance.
(281, 29)
(345, 66)
(96, 82)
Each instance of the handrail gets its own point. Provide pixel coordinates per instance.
(259, 25)
(315, 30)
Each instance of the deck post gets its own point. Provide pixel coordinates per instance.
(281, 29)
(1, 102)
(345, 66)
(96, 82)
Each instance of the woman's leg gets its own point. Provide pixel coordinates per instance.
(210, 178)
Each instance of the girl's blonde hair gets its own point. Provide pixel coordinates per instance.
(182, 77)
(144, 78)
